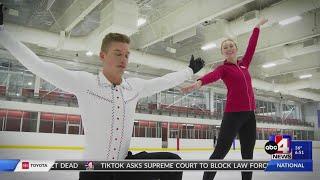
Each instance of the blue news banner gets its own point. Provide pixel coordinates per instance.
(297, 158)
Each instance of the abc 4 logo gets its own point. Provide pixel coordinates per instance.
(271, 147)
(278, 145)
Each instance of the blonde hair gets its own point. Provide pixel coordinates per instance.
(226, 41)
(113, 37)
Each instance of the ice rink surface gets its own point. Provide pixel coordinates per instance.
(195, 175)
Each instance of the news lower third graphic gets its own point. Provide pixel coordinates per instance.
(129, 165)
(288, 155)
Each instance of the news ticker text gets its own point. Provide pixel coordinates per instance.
(154, 165)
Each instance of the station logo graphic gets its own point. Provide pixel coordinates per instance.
(279, 146)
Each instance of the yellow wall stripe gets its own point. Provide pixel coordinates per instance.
(181, 150)
(80, 148)
(41, 147)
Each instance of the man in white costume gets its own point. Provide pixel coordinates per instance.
(107, 101)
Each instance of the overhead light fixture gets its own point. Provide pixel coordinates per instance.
(290, 20)
(276, 91)
(171, 50)
(269, 65)
(305, 76)
(13, 12)
(29, 83)
(89, 53)
(141, 21)
(209, 46)
(18, 94)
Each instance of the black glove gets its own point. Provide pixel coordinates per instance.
(196, 64)
(1, 14)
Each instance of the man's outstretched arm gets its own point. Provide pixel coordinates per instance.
(58, 76)
(171, 80)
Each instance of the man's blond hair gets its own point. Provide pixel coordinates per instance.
(113, 37)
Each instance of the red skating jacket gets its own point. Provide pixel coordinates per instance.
(237, 78)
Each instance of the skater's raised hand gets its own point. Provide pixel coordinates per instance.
(261, 22)
(196, 64)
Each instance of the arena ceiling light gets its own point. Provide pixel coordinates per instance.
(171, 50)
(141, 21)
(209, 46)
(269, 65)
(305, 76)
(290, 20)
(89, 53)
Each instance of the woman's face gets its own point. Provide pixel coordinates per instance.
(229, 49)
